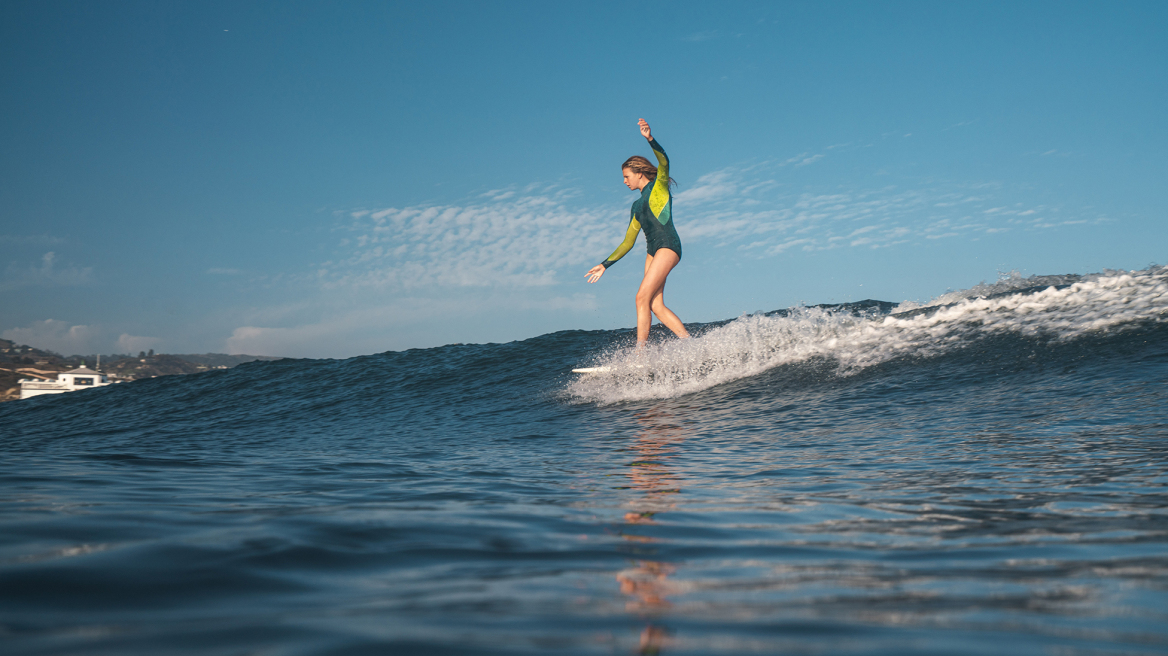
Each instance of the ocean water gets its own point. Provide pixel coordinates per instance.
(985, 474)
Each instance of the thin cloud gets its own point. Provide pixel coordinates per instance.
(777, 249)
(78, 339)
(393, 322)
(47, 273)
(54, 335)
(712, 186)
(749, 208)
(508, 239)
(136, 343)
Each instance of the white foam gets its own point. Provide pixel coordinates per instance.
(752, 344)
(1006, 283)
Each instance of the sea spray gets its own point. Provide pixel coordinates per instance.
(855, 341)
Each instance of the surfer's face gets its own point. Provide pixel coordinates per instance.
(635, 181)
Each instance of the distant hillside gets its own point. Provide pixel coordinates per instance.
(222, 359)
(20, 361)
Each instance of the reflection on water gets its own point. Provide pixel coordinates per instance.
(647, 583)
(871, 528)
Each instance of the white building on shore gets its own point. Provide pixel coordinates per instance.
(67, 381)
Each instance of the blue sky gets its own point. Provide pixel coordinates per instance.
(326, 179)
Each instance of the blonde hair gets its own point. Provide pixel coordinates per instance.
(638, 164)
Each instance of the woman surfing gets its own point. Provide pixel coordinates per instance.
(653, 212)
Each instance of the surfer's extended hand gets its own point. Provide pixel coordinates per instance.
(595, 272)
(645, 129)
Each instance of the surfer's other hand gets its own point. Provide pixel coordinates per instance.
(644, 125)
(595, 272)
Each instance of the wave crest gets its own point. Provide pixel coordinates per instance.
(1067, 308)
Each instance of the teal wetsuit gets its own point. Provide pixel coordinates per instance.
(653, 212)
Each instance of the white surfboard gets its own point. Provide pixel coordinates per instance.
(602, 370)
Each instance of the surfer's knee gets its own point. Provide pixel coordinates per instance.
(644, 298)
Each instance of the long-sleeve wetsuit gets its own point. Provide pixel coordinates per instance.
(653, 212)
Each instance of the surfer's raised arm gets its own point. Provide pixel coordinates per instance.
(653, 213)
(662, 158)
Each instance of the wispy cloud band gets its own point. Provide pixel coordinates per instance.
(506, 239)
(516, 238)
(752, 209)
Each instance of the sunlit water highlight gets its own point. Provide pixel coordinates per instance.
(986, 475)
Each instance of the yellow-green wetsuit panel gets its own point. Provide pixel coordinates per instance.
(653, 213)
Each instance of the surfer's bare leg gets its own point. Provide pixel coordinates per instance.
(664, 314)
(651, 296)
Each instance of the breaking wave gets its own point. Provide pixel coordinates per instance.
(856, 337)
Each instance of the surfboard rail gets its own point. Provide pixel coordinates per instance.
(605, 369)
